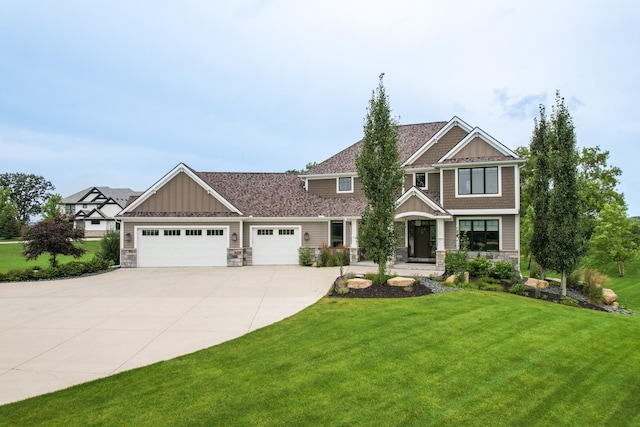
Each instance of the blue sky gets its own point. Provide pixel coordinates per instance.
(117, 93)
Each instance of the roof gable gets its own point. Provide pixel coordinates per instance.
(479, 144)
(414, 194)
(181, 190)
(454, 122)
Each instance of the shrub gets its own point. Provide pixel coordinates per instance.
(305, 256)
(455, 262)
(594, 281)
(518, 289)
(331, 257)
(502, 270)
(110, 246)
(325, 259)
(564, 300)
(480, 267)
(71, 269)
(535, 271)
(573, 279)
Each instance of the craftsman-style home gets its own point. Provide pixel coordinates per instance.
(457, 179)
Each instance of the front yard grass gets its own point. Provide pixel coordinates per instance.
(11, 257)
(458, 358)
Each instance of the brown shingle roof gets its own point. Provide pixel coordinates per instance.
(410, 139)
(277, 195)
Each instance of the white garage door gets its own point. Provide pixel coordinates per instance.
(182, 247)
(275, 245)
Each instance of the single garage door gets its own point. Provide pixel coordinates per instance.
(275, 245)
(182, 247)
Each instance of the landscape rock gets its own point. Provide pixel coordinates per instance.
(451, 279)
(533, 282)
(408, 289)
(400, 281)
(609, 296)
(359, 283)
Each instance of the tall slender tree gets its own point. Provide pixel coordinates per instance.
(381, 174)
(539, 191)
(565, 242)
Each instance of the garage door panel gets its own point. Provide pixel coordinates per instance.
(175, 248)
(275, 245)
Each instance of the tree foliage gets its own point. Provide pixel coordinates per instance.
(53, 236)
(613, 239)
(308, 167)
(110, 246)
(539, 190)
(28, 192)
(51, 207)
(9, 224)
(381, 174)
(565, 246)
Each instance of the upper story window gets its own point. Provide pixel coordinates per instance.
(345, 184)
(420, 179)
(478, 181)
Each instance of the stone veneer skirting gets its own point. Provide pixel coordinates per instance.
(128, 258)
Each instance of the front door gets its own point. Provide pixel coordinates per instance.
(422, 241)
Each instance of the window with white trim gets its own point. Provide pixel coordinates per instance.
(95, 222)
(286, 232)
(265, 232)
(189, 232)
(217, 232)
(171, 232)
(345, 184)
(483, 234)
(420, 179)
(150, 232)
(478, 180)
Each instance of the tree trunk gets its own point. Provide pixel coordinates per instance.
(621, 268)
(563, 282)
(529, 266)
(542, 273)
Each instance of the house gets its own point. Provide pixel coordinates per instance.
(93, 209)
(457, 178)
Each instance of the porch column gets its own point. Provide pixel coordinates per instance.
(354, 233)
(440, 234)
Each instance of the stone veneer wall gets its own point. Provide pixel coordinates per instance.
(235, 257)
(510, 256)
(247, 257)
(128, 258)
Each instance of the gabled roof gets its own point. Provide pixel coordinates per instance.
(428, 199)
(410, 139)
(118, 195)
(455, 121)
(476, 132)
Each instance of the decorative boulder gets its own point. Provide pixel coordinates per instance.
(609, 296)
(535, 283)
(400, 281)
(358, 283)
(451, 279)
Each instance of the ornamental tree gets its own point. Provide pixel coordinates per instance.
(381, 175)
(565, 246)
(53, 236)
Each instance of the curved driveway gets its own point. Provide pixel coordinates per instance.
(58, 333)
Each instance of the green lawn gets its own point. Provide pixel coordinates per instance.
(11, 256)
(459, 358)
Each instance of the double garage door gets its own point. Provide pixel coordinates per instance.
(200, 247)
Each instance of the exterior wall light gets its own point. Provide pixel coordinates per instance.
(306, 236)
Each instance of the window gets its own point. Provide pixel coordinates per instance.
(478, 180)
(150, 232)
(217, 232)
(84, 206)
(337, 234)
(95, 222)
(421, 179)
(265, 232)
(345, 184)
(193, 232)
(483, 234)
(171, 232)
(286, 232)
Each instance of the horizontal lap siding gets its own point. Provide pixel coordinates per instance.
(434, 183)
(328, 188)
(506, 201)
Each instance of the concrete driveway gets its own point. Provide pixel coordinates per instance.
(59, 333)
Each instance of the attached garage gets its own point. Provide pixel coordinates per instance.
(275, 244)
(182, 246)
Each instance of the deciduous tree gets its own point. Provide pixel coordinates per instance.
(51, 207)
(9, 224)
(381, 174)
(564, 240)
(53, 236)
(28, 192)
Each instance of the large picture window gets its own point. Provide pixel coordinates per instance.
(483, 234)
(478, 180)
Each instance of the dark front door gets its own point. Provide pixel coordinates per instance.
(422, 240)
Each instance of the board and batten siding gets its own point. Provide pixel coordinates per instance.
(442, 147)
(182, 195)
(414, 204)
(477, 147)
(506, 201)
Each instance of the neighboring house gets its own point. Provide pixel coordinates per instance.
(93, 209)
(457, 178)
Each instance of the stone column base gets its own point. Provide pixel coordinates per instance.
(128, 258)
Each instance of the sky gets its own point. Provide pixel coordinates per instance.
(96, 93)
